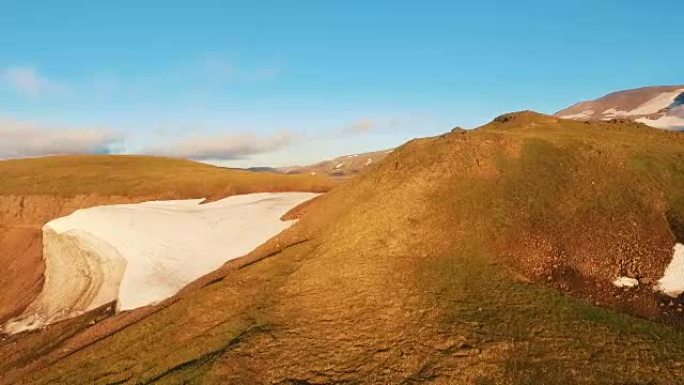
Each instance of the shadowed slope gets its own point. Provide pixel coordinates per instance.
(433, 267)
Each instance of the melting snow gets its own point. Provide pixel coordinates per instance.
(140, 254)
(626, 282)
(656, 104)
(672, 282)
(614, 112)
(653, 106)
(668, 122)
(586, 114)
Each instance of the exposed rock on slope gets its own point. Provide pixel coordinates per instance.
(661, 107)
(138, 254)
(485, 257)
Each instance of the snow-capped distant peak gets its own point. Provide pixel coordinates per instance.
(661, 107)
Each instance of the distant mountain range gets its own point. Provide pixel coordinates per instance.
(661, 107)
(340, 167)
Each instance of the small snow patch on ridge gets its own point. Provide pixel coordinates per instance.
(656, 104)
(586, 114)
(626, 282)
(672, 282)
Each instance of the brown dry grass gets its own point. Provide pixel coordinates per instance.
(111, 175)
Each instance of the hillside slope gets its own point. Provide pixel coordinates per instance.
(660, 107)
(476, 257)
(341, 167)
(34, 191)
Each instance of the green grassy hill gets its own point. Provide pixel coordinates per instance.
(478, 257)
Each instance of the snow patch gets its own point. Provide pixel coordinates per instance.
(667, 122)
(656, 104)
(613, 112)
(672, 282)
(586, 114)
(140, 254)
(649, 108)
(626, 282)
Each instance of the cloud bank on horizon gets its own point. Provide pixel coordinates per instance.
(223, 146)
(25, 139)
(20, 139)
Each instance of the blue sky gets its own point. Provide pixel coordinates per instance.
(255, 83)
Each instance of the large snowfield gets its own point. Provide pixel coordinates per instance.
(140, 254)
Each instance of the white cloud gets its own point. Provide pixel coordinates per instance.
(27, 81)
(22, 139)
(361, 126)
(378, 124)
(223, 147)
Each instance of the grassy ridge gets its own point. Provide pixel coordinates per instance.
(138, 176)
